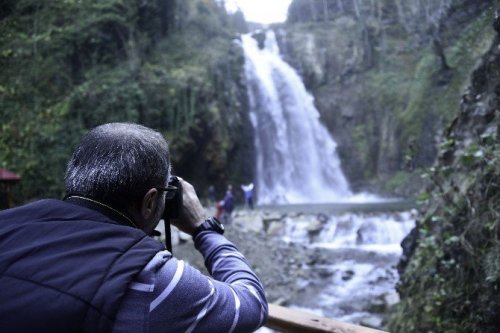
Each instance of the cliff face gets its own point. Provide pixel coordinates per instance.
(386, 77)
(450, 272)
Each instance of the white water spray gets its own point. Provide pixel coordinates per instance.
(296, 156)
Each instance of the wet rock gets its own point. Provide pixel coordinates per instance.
(302, 285)
(372, 321)
(314, 228)
(260, 37)
(275, 229)
(363, 231)
(409, 245)
(294, 215)
(391, 299)
(347, 275)
(251, 221)
(377, 305)
(324, 272)
(281, 301)
(322, 218)
(496, 22)
(271, 218)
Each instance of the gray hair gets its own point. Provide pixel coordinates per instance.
(118, 163)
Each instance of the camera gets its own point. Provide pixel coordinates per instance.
(173, 199)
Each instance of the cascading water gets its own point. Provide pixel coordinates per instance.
(349, 273)
(296, 156)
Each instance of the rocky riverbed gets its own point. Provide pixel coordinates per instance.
(279, 264)
(351, 283)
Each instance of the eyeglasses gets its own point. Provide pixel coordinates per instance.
(171, 190)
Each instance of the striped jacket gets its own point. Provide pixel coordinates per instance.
(171, 296)
(67, 268)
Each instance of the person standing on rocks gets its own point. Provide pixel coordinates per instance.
(248, 191)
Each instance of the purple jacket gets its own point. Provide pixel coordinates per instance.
(64, 268)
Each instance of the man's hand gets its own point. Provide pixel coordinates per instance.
(192, 213)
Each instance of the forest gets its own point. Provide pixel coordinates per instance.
(67, 66)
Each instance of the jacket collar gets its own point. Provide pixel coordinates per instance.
(102, 208)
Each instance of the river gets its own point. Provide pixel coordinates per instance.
(335, 260)
(349, 265)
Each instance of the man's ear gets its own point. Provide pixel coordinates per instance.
(149, 204)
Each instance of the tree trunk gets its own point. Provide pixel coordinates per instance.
(167, 16)
(313, 10)
(356, 8)
(325, 11)
(340, 6)
(439, 50)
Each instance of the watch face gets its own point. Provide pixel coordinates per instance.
(212, 224)
(218, 226)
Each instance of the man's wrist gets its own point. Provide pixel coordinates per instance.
(210, 224)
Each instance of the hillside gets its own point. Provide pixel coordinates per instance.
(67, 66)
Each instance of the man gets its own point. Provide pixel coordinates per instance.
(247, 190)
(87, 263)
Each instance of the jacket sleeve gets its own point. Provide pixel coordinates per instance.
(170, 295)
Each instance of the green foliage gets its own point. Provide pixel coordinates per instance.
(67, 66)
(412, 116)
(454, 274)
(399, 180)
(361, 143)
(432, 89)
(452, 280)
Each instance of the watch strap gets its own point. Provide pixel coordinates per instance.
(210, 224)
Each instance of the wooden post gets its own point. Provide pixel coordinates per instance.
(287, 320)
(7, 180)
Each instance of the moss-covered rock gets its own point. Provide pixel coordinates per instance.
(450, 271)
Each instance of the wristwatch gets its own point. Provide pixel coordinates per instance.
(210, 224)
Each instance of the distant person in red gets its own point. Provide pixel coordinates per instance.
(219, 209)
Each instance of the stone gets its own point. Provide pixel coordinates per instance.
(274, 229)
(347, 275)
(250, 221)
(391, 299)
(371, 321)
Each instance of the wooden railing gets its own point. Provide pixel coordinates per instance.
(292, 321)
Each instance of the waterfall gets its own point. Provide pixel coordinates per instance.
(296, 158)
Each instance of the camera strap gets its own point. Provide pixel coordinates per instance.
(168, 235)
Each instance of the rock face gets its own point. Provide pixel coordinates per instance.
(375, 71)
(450, 270)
